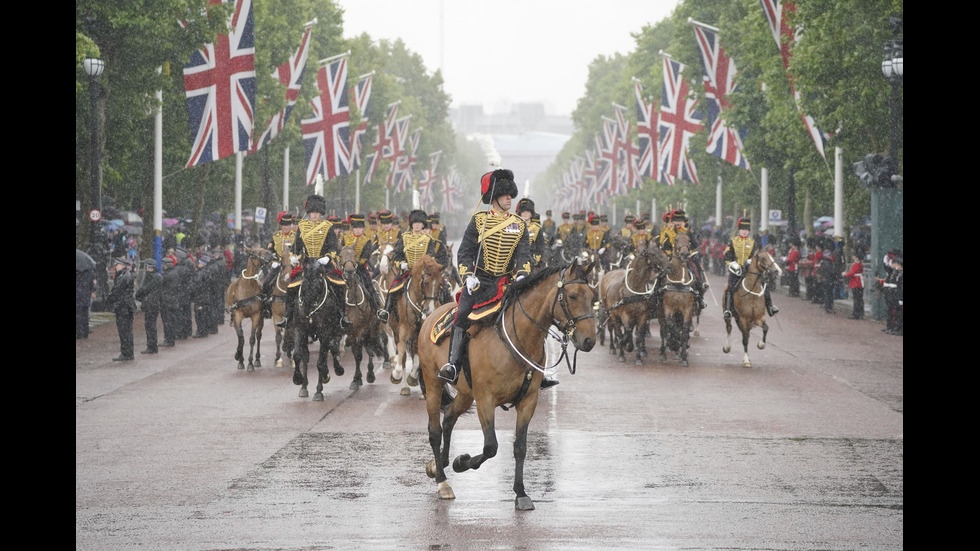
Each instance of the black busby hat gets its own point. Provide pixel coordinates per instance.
(357, 220)
(418, 215)
(316, 203)
(594, 220)
(498, 183)
(640, 224)
(535, 217)
(566, 215)
(434, 217)
(629, 218)
(678, 215)
(525, 204)
(385, 217)
(744, 223)
(285, 218)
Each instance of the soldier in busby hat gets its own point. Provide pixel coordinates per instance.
(740, 249)
(411, 245)
(282, 241)
(495, 248)
(363, 248)
(525, 209)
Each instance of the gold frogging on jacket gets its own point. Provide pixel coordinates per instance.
(314, 236)
(416, 245)
(501, 234)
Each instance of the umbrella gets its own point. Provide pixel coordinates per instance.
(133, 229)
(83, 261)
(170, 222)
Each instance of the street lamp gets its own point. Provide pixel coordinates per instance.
(93, 68)
(887, 206)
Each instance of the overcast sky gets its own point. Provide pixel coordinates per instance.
(508, 51)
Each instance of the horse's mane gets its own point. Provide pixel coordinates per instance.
(529, 282)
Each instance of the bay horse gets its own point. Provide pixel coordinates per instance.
(677, 302)
(318, 313)
(749, 302)
(284, 335)
(504, 366)
(418, 299)
(625, 301)
(243, 299)
(364, 333)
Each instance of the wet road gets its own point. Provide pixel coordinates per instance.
(802, 451)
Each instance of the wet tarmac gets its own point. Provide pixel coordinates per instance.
(802, 451)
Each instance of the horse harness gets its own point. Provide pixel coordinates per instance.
(239, 304)
(566, 331)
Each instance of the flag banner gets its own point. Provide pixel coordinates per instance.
(290, 75)
(326, 134)
(396, 152)
(219, 81)
(427, 180)
(647, 134)
(719, 81)
(407, 162)
(362, 99)
(626, 151)
(679, 120)
(382, 141)
(775, 15)
(451, 191)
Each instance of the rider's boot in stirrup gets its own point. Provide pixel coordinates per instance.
(449, 372)
(770, 309)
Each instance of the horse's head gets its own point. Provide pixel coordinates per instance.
(426, 283)
(682, 246)
(577, 312)
(766, 264)
(348, 261)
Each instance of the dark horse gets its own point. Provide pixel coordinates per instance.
(317, 315)
(365, 331)
(624, 298)
(504, 366)
(244, 300)
(677, 302)
(750, 302)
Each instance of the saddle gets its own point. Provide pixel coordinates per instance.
(443, 326)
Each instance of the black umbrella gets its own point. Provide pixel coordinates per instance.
(83, 261)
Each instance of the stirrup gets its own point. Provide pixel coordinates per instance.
(283, 323)
(728, 315)
(449, 373)
(383, 315)
(345, 323)
(773, 311)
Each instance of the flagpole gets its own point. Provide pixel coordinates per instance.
(332, 58)
(158, 180)
(285, 178)
(704, 25)
(357, 190)
(238, 192)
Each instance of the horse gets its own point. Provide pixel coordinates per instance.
(625, 301)
(364, 333)
(243, 299)
(284, 336)
(317, 313)
(419, 298)
(749, 302)
(617, 252)
(677, 302)
(504, 366)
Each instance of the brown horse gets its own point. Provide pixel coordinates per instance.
(504, 366)
(677, 302)
(243, 299)
(750, 302)
(625, 301)
(417, 300)
(284, 336)
(364, 333)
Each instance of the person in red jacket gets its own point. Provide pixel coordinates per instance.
(793, 258)
(855, 282)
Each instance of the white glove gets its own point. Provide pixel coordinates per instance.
(275, 264)
(602, 250)
(404, 266)
(520, 277)
(294, 259)
(472, 283)
(734, 268)
(388, 250)
(323, 261)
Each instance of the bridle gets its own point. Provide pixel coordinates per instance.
(261, 262)
(761, 273)
(565, 330)
(420, 311)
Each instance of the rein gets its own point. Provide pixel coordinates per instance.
(322, 300)
(420, 313)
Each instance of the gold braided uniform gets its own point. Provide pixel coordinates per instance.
(358, 242)
(314, 236)
(564, 230)
(640, 239)
(739, 249)
(414, 246)
(594, 238)
(385, 237)
(282, 240)
(499, 237)
(627, 232)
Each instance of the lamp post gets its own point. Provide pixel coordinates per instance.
(886, 198)
(93, 68)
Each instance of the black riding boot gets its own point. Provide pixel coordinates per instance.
(290, 309)
(728, 304)
(449, 372)
(770, 309)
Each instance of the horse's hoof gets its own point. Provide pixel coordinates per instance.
(412, 380)
(395, 381)
(355, 384)
(458, 465)
(746, 364)
(303, 393)
(697, 333)
(387, 365)
(278, 363)
(405, 391)
(445, 492)
(622, 359)
(241, 365)
(318, 397)
(430, 468)
(370, 377)
(251, 367)
(338, 370)
(726, 349)
(523, 503)
(683, 363)
(638, 362)
(762, 346)
(258, 363)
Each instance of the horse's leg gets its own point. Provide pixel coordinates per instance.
(278, 362)
(323, 370)
(357, 382)
(746, 329)
(258, 323)
(464, 462)
(664, 335)
(440, 434)
(765, 331)
(728, 340)
(398, 372)
(641, 341)
(525, 410)
(301, 362)
(685, 337)
(240, 333)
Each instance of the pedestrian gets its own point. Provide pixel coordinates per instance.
(201, 298)
(169, 295)
(829, 274)
(185, 313)
(123, 305)
(793, 257)
(149, 295)
(891, 286)
(85, 282)
(495, 247)
(855, 283)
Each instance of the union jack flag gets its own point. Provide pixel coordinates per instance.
(647, 128)
(396, 151)
(785, 37)
(451, 191)
(611, 153)
(719, 81)
(326, 134)
(362, 97)
(407, 161)
(679, 120)
(290, 75)
(427, 181)
(627, 151)
(382, 141)
(220, 86)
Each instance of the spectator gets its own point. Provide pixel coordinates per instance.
(793, 257)
(85, 283)
(855, 282)
(123, 305)
(149, 295)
